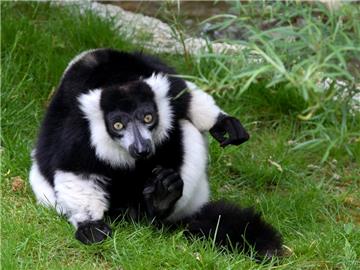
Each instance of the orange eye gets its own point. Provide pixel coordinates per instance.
(148, 118)
(118, 126)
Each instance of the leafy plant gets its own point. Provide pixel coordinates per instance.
(303, 48)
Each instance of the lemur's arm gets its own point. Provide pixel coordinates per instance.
(207, 116)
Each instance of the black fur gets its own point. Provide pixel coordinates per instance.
(235, 227)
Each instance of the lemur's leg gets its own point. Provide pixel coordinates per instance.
(44, 192)
(175, 195)
(83, 200)
(207, 116)
(203, 111)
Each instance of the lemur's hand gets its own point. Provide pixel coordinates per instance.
(90, 232)
(162, 191)
(228, 130)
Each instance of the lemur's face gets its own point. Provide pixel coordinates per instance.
(131, 116)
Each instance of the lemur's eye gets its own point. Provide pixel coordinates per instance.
(118, 126)
(148, 118)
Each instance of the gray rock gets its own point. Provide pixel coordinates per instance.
(151, 32)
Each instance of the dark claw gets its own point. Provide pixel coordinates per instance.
(175, 186)
(163, 173)
(173, 178)
(148, 190)
(156, 169)
(90, 232)
(230, 126)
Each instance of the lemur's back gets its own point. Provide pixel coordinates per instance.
(106, 67)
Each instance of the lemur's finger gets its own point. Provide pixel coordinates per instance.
(226, 142)
(175, 177)
(148, 190)
(237, 133)
(176, 186)
(163, 173)
(218, 135)
(157, 169)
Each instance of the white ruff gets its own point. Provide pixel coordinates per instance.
(193, 173)
(105, 147)
(160, 85)
(203, 109)
(80, 197)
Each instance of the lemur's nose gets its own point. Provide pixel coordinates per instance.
(142, 150)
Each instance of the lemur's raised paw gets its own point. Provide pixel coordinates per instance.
(228, 130)
(90, 232)
(162, 191)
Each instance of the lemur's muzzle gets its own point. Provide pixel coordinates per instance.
(142, 147)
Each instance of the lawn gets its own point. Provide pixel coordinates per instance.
(311, 194)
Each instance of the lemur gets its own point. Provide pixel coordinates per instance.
(125, 133)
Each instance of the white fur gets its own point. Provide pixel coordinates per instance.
(80, 197)
(203, 109)
(193, 173)
(105, 147)
(160, 85)
(86, 56)
(44, 192)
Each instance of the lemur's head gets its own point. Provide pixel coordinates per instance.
(131, 116)
(128, 121)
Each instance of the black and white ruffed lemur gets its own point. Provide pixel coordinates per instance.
(122, 134)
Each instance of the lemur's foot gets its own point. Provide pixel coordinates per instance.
(162, 192)
(90, 232)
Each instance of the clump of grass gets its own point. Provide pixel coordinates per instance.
(304, 51)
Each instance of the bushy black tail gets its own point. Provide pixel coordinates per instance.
(235, 227)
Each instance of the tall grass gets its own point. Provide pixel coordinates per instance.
(305, 51)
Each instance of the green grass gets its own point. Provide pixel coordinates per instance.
(298, 47)
(314, 204)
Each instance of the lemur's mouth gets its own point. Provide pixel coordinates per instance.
(142, 153)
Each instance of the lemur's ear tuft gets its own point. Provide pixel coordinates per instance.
(228, 130)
